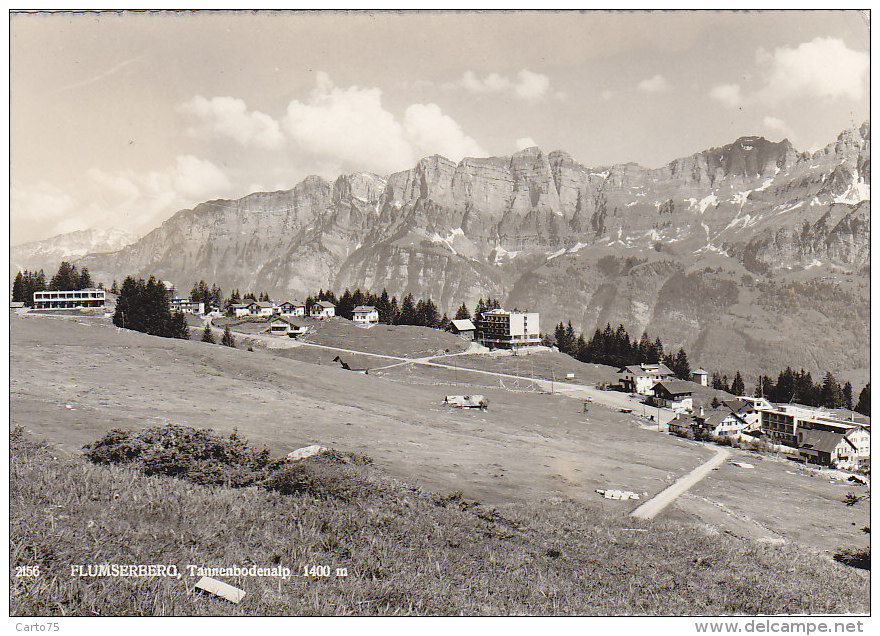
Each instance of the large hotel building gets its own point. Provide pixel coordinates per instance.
(69, 299)
(503, 329)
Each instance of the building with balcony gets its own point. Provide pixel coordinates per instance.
(70, 299)
(502, 329)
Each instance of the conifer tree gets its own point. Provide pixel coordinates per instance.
(228, 339)
(463, 313)
(864, 404)
(208, 335)
(738, 387)
(847, 394)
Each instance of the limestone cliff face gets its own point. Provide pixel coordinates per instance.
(509, 226)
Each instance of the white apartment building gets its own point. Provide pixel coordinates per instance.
(504, 329)
(69, 299)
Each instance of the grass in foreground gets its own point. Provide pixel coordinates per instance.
(406, 551)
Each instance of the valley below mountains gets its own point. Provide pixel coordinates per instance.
(752, 256)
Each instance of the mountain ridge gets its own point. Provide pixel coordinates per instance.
(487, 226)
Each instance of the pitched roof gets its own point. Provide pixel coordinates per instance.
(701, 371)
(292, 303)
(714, 417)
(674, 387)
(282, 319)
(264, 304)
(822, 441)
(737, 406)
(325, 303)
(463, 324)
(364, 309)
(656, 370)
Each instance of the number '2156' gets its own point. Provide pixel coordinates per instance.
(27, 570)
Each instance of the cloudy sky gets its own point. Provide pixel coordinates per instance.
(120, 120)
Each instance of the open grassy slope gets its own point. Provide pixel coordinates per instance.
(405, 551)
(72, 382)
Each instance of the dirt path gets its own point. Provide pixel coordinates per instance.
(610, 399)
(655, 506)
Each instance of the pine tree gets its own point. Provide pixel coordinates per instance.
(570, 340)
(114, 288)
(680, 366)
(738, 387)
(208, 335)
(831, 395)
(18, 289)
(864, 404)
(407, 315)
(561, 342)
(847, 393)
(463, 313)
(85, 279)
(383, 306)
(228, 339)
(66, 278)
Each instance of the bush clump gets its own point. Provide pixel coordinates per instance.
(204, 457)
(855, 558)
(197, 455)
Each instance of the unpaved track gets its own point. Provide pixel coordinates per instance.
(655, 506)
(610, 399)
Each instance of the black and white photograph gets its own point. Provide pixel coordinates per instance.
(440, 313)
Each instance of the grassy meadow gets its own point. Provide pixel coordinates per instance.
(406, 551)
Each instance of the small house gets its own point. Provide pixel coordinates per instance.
(242, 309)
(323, 309)
(294, 308)
(673, 394)
(827, 448)
(279, 326)
(718, 423)
(641, 378)
(263, 308)
(701, 376)
(463, 327)
(365, 316)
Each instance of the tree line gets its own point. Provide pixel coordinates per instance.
(67, 278)
(615, 347)
(143, 306)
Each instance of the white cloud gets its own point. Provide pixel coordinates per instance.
(528, 85)
(492, 83)
(229, 117)
(778, 125)
(430, 132)
(122, 198)
(607, 94)
(41, 204)
(728, 94)
(656, 84)
(351, 127)
(196, 178)
(823, 68)
(524, 142)
(531, 86)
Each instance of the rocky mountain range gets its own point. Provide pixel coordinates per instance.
(752, 256)
(48, 253)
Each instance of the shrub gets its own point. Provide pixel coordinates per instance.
(197, 455)
(855, 558)
(202, 456)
